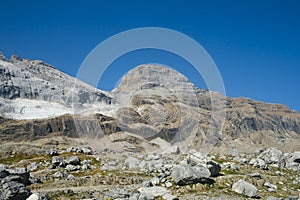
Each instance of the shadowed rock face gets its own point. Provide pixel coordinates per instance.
(151, 101)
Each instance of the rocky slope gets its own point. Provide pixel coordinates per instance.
(32, 88)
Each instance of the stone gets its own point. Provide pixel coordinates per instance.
(186, 174)
(13, 188)
(34, 180)
(73, 160)
(271, 156)
(259, 163)
(21, 172)
(293, 161)
(155, 181)
(52, 152)
(32, 166)
(132, 162)
(74, 149)
(273, 198)
(71, 177)
(60, 174)
(171, 150)
(169, 197)
(155, 191)
(255, 175)
(87, 150)
(196, 158)
(271, 187)
(245, 188)
(58, 161)
(70, 167)
(38, 196)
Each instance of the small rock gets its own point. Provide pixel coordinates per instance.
(255, 175)
(169, 197)
(155, 181)
(34, 180)
(273, 198)
(71, 177)
(155, 191)
(60, 174)
(70, 167)
(32, 166)
(52, 152)
(245, 188)
(271, 187)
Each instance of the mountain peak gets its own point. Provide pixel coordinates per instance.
(149, 76)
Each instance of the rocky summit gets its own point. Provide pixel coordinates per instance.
(155, 136)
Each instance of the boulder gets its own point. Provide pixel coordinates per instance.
(60, 174)
(185, 174)
(245, 188)
(38, 196)
(70, 167)
(87, 150)
(58, 161)
(271, 156)
(132, 162)
(73, 160)
(21, 172)
(196, 158)
(13, 188)
(259, 163)
(152, 192)
(52, 152)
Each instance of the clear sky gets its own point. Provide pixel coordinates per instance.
(255, 43)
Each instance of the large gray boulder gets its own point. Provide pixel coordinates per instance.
(185, 174)
(245, 188)
(196, 158)
(73, 160)
(271, 156)
(292, 162)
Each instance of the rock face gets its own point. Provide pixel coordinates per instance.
(245, 188)
(34, 79)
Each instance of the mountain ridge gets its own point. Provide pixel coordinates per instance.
(151, 101)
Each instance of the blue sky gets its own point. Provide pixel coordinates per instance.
(255, 44)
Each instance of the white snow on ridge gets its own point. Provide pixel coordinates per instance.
(37, 109)
(34, 109)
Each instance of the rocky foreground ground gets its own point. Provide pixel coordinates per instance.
(30, 171)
